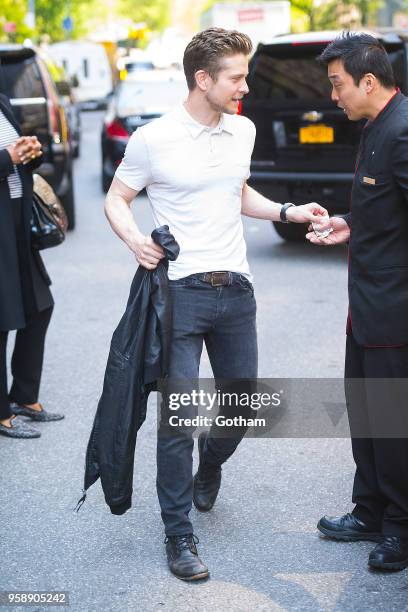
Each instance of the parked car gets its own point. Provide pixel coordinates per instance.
(65, 88)
(142, 97)
(26, 80)
(88, 62)
(305, 147)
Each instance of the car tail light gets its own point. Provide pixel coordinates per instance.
(239, 111)
(53, 110)
(57, 118)
(117, 131)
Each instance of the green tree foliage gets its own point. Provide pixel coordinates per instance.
(332, 14)
(51, 13)
(155, 13)
(85, 14)
(14, 11)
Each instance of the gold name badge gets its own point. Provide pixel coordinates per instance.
(369, 180)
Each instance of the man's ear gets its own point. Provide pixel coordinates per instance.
(202, 77)
(370, 81)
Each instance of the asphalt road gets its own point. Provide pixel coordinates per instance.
(259, 541)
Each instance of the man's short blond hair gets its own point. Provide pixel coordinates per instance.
(207, 49)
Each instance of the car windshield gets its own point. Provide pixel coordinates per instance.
(139, 66)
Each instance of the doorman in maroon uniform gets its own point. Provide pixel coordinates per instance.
(377, 332)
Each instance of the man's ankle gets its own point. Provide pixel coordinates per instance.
(37, 406)
(6, 422)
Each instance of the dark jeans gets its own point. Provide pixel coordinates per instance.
(225, 319)
(26, 363)
(380, 489)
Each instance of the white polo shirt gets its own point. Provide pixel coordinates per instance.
(194, 177)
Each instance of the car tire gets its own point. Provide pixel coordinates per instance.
(292, 232)
(68, 202)
(76, 151)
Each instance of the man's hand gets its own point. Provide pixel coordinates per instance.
(306, 213)
(339, 235)
(148, 253)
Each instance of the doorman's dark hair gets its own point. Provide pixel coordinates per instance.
(360, 53)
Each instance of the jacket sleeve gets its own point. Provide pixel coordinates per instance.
(6, 164)
(346, 217)
(32, 165)
(399, 160)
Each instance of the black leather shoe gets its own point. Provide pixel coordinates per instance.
(347, 528)
(183, 559)
(207, 481)
(391, 554)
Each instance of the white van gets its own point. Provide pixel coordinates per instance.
(88, 62)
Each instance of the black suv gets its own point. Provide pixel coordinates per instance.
(25, 79)
(305, 147)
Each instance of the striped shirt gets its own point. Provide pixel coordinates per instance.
(8, 135)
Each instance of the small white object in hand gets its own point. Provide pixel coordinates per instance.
(322, 233)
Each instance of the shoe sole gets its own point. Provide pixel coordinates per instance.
(200, 509)
(350, 537)
(191, 578)
(397, 565)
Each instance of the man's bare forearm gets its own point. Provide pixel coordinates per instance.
(120, 217)
(119, 214)
(257, 206)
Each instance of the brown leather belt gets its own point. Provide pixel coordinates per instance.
(217, 279)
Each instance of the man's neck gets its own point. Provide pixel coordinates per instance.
(199, 110)
(380, 103)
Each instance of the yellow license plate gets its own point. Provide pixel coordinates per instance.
(316, 134)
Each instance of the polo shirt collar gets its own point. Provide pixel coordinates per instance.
(195, 128)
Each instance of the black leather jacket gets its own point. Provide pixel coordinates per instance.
(138, 357)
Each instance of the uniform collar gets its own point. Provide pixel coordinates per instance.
(391, 105)
(195, 128)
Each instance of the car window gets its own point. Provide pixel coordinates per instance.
(288, 78)
(291, 73)
(23, 79)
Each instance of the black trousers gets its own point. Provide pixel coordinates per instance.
(380, 491)
(26, 363)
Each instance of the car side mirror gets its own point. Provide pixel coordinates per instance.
(74, 81)
(63, 88)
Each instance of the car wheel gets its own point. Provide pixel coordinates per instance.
(77, 150)
(68, 202)
(292, 232)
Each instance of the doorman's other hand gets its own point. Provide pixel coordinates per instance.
(339, 235)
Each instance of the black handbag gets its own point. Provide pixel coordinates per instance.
(49, 221)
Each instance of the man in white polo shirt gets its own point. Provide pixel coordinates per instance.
(194, 163)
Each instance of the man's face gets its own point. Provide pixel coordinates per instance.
(346, 94)
(229, 87)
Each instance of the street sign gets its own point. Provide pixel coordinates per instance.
(68, 24)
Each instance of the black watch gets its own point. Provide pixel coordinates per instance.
(283, 212)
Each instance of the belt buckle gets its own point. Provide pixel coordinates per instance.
(223, 279)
